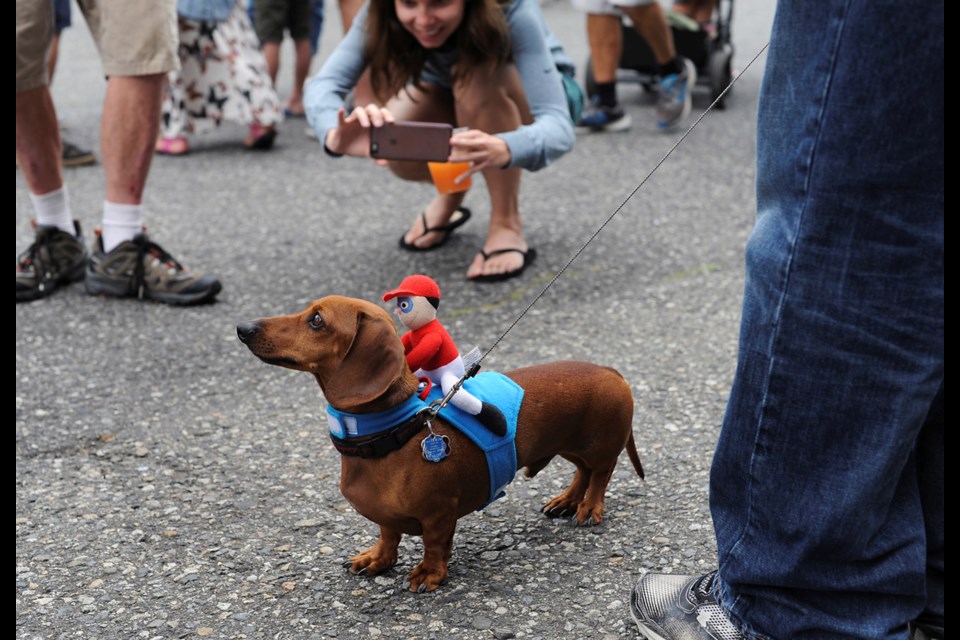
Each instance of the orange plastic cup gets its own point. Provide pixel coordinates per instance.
(444, 173)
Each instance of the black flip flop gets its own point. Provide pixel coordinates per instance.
(447, 229)
(528, 257)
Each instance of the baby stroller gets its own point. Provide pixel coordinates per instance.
(708, 47)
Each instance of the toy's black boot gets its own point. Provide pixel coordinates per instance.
(492, 418)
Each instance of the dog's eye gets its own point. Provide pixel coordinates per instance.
(315, 321)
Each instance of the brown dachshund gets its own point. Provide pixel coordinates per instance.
(580, 411)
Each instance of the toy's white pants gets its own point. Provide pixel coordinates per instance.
(447, 376)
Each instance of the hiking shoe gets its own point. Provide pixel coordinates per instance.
(141, 268)
(74, 156)
(599, 117)
(669, 607)
(673, 96)
(55, 258)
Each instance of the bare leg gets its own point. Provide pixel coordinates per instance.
(495, 102)
(52, 56)
(651, 23)
(271, 53)
(699, 10)
(128, 132)
(606, 45)
(348, 10)
(302, 67)
(363, 91)
(38, 141)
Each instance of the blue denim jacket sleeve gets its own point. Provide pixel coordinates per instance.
(536, 54)
(205, 10)
(325, 92)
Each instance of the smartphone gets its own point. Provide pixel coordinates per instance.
(423, 141)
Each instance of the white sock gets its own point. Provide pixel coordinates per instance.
(121, 222)
(53, 210)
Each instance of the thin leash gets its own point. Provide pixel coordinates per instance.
(434, 407)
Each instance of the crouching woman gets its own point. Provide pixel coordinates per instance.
(489, 67)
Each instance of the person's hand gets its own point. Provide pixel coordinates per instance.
(482, 149)
(351, 136)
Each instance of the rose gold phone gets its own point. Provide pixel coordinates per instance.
(423, 141)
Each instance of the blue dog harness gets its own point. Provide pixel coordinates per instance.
(377, 434)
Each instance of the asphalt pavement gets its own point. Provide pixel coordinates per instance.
(170, 485)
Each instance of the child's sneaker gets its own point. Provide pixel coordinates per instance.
(599, 117)
(55, 258)
(141, 268)
(673, 96)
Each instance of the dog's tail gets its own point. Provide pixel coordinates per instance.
(634, 456)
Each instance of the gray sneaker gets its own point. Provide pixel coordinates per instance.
(55, 258)
(673, 96)
(670, 607)
(141, 268)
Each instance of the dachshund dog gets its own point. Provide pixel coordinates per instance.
(577, 410)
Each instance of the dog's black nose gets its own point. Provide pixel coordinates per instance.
(247, 331)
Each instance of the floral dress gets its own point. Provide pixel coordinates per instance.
(223, 76)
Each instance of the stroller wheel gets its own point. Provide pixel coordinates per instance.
(719, 66)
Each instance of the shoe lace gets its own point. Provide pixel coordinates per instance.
(33, 252)
(147, 247)
(703, 587)
(669, 84)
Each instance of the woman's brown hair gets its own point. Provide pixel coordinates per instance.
(396, 58)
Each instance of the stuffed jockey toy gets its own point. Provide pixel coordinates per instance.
(430, 350)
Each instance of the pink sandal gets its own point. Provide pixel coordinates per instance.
(176, 146)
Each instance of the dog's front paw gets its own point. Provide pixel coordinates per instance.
(424, 578)
(371, 562)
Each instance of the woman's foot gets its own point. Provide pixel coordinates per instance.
(504, 254)
(175, 146)
(294, 109)
(437, 216)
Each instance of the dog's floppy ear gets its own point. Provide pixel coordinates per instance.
(373, 362)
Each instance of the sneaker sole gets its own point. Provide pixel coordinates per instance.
(687, 108)
(645, 632)
(82, 161)
(96, 286)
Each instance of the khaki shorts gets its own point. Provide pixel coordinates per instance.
(134, 37)
(607, 7)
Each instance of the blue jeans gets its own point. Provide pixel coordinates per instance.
(827, 484)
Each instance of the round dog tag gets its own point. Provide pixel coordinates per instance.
(435, 448)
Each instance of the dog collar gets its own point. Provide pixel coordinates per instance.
(374, 435)
(362, 425)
